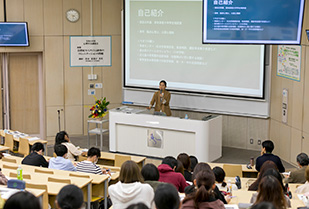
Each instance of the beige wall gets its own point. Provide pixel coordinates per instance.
(65, 87)
(293, 137)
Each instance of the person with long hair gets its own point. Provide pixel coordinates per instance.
(186, 162)
(274, 173)
(73, 152)
(130, 188)
(271, 191)
(204, 197)
(192, 188)
(266, 165)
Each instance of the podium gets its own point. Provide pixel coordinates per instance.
(135, 131)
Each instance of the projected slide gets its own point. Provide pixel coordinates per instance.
(254, 21)
(163, 40)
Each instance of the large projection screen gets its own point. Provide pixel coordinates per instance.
(252, 22)
(163, 40)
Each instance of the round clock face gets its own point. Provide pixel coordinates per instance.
(72, 15)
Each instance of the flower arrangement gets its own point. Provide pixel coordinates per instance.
(99, 109)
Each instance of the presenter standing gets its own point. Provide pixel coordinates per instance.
(162, 99)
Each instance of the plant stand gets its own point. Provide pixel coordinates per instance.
(98, 131)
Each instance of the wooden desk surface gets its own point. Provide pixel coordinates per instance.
(27, 137)
(242, 196)
(35, 192)
(40, 178)
(4, 148)
(96, 179)
(244, 167)
(111, 156)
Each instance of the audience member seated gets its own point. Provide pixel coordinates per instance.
(22, 200)
(220, 176)
(89, 165)
(277, 175)
(204, 197)
(304, 188)
(151, 175)
(193, 161)
(138, 206)
(263, 205)
(36, 157)
(271, 191)
(168, 174)
(73, 152)
(298, 176)
(192, 188)
(267, 165)
(130, 189)
(186, 162)
(70, 197)
(166, 197)
(179, 167)
(60, 162)
(266, 154)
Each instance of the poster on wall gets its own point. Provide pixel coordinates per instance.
(90, 51)
(154, 138)
(288, 65)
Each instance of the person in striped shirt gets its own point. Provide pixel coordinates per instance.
(89, 165)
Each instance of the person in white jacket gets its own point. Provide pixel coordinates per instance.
(130, 189)
(63, 138)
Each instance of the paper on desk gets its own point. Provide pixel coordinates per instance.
(6, 154)
(6, 193)
(231, 206)
(34, 138)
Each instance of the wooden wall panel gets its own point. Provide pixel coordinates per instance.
(54, 71)
(15, 10)
(73, 119)
(53, 17)
(33, 15)
(274, 135)
(296, 144)
(112, 88)
(73, 79)
(52, 125)
(111, 17)
(85, 17)
(306, 94)
(97, 18)
(68, 27)
(1, 11)
(88, 99)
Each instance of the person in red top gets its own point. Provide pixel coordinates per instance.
(168, 174)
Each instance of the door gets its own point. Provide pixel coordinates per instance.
(22, 93)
